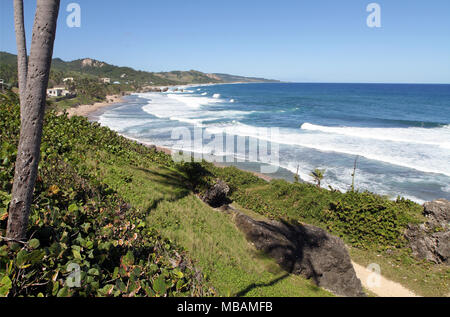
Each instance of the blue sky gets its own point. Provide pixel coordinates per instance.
(292, 40)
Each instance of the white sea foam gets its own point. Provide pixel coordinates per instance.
(422, 157)
(188, 109)
(110, 120)
(216, 96)
(434, 136)
(446, 189)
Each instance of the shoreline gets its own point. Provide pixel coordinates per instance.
(111, 100)
(86, 110)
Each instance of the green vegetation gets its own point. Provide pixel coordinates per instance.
(88, 91)
(318, 175)
(9, 74)
(128, 217)
(78, 219)
(361, 218)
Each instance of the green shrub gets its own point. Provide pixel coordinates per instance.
(368, 219)
(76, 219)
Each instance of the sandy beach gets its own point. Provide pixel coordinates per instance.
(85, 110)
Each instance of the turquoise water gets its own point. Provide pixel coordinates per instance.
(400, 133)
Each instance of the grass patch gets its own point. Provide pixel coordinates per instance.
(231, 265)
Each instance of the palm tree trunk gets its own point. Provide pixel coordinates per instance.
(28, 152)
(22, 57)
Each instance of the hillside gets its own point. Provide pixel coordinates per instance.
(88, 67)
(188, 77)
(234, 79)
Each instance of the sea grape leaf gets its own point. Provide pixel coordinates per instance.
(159, 285)
(5, 286)
(34, 243)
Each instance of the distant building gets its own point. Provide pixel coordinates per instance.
(68, 79)
(123, 75)
(2, 84)
(105, 80)
(58, 92)
(116, 83)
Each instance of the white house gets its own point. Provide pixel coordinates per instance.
(57, 92)
(68, 79)
(105, 80)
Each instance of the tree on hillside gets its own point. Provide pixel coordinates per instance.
(22, 57)
(318, 175)
(32, 114)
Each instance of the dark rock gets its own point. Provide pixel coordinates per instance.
(431, 240)
(422, 245)
(216, 196)
(443, 246)
(438, 212)
(306, 250)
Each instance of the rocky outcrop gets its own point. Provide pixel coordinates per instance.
(89, 62)
(216, 195)
(306, 250)
(438, 213)
(152, 89)
(431, 240)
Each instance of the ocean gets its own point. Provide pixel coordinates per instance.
(399, 134)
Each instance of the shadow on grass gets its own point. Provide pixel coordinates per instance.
(178, 187)
(259, 285)
(169, 179)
